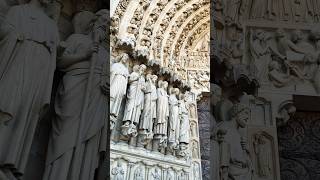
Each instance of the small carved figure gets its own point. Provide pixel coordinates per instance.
(156, 175)
(138, 174)
(118, 172)
(262, 151)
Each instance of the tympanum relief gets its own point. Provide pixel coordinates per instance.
(285, 58)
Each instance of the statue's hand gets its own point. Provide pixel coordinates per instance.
(93, 49)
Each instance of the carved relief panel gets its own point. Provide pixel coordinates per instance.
(284, 59)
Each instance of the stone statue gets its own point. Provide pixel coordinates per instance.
(161, 122)
(184, 134)
(149, 113)
(263, 153)
(28, 45)
(135, 101)
(259, 52)
(194, 149)
(118, 86)
(138, 174)
(238, 166)
(174, 123)
(150, 104)
(77, 132)
(118, 172)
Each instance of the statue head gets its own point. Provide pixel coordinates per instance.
(83, 22)
(165, 85)
(280, 33)
(136, 68)
(142, 69)
(215, 94)
(221, 134)
(124, 58)
(176, 91)
(240, 113)
(154, 78)
(181, 96)
(259, 34)
(297, 36)
(291, 109)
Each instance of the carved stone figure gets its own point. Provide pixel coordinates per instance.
(162, 109)
(135, 101)
(174, 123)
(195, 150)
(156, 175)
(118, 86)
(118, 172)
(289, 52)
(138, 174)
(263, 153)
(260, 53)
(150, 104)
(75, 142)
(238, 167)
(29, 39)
(184, 134)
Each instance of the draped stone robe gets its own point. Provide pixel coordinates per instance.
(174, 122)
(67, 160)
(162, 112)
(118, 86)
(28, 41)
(135, 98)
(150, 107)
(184, 134)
